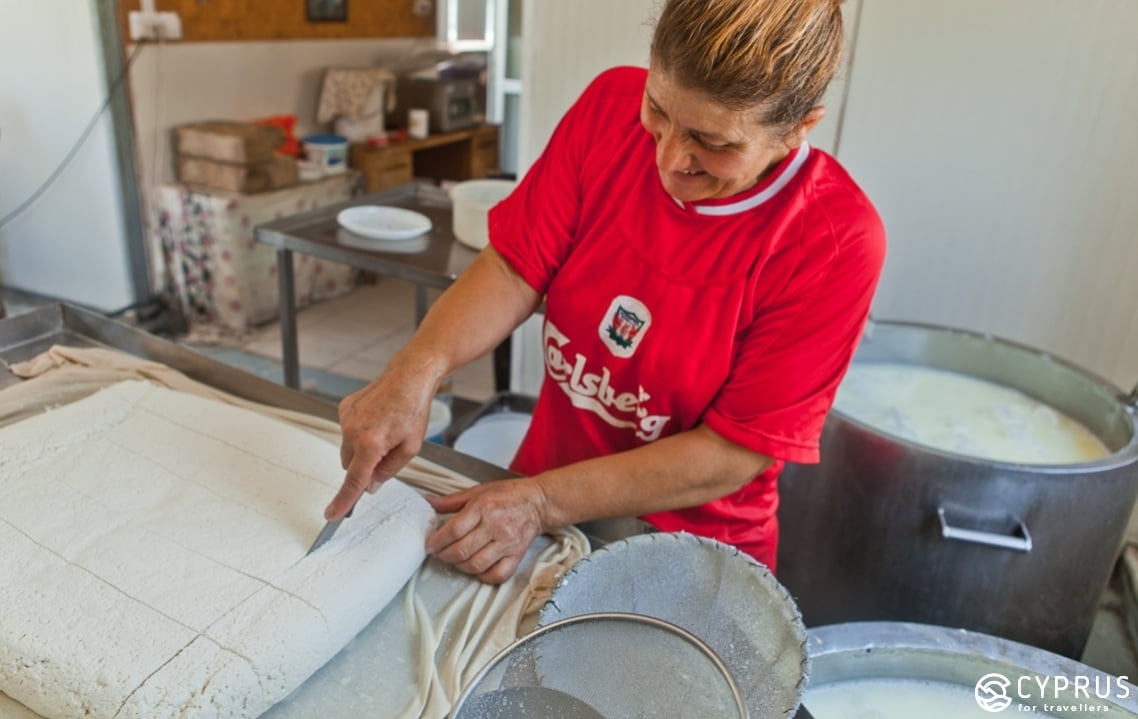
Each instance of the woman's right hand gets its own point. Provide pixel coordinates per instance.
(383, 426)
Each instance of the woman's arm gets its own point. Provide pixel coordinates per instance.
(384, 423)
(494, 523)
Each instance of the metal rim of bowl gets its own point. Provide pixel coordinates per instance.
(831, 642)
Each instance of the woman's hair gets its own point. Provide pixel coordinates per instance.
(777, 55)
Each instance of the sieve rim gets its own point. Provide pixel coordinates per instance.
(704, 647)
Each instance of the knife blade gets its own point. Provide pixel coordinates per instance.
(326, 533)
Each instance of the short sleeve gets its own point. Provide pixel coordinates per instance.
(792, 356)
(535, 228)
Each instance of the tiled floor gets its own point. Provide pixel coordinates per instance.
(343, 342)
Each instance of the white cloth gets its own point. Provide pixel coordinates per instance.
(450, 642)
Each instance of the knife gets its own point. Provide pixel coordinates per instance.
(329, 529)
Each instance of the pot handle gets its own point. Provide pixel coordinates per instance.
(1019, 540)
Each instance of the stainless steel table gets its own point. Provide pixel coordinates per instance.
(431, 261)
(25, 335)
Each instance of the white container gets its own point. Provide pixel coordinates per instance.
(472, 201)
(418, 123)
(438, 421)
(494, 438)
(328, 152)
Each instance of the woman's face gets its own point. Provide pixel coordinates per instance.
(704, 149)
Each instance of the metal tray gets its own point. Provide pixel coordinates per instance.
(373, 666)
(26, 335)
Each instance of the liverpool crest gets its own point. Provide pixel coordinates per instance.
(624, 325)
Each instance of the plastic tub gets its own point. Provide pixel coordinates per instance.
(329, 152)
(472, 201)
(438, 421)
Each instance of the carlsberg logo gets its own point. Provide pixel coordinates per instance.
(995, 692)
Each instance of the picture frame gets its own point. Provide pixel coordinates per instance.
(327, 10)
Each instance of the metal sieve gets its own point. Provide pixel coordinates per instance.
(709, 589)
(609, 665)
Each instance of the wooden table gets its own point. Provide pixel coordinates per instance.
(461, 155)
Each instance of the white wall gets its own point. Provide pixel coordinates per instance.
(566, 43)
(176, 83)
(72, 243)
(999, 140)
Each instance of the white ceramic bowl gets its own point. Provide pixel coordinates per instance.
(471, 202)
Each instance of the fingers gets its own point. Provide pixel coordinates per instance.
(502, 570)
(444, 541)
(493, 563)
(489, 534)
(367, 472)
(448, 504)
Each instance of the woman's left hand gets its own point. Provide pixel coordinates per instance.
(492, 527)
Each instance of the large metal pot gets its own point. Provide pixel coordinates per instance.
(963, 663)
(885, 529)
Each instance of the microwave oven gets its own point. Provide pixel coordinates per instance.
(451, 103)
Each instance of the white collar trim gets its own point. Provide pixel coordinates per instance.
(754, 201)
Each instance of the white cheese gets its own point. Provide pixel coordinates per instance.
(154, 562)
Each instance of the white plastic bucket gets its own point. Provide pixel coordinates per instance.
(494, 438)
(438, 421)
(472, 201)
(328, 152)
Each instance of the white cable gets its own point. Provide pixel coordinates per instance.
(114, 86)
(150, 189)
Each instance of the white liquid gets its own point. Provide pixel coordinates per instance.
(901, 699)
(963, 414)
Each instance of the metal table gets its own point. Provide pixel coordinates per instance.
(431, 261)
(25, 335)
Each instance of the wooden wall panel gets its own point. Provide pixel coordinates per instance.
(222, 20)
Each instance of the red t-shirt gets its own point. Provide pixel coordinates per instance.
(740, 313)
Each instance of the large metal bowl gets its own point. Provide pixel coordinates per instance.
(884, 529)
(841, 654)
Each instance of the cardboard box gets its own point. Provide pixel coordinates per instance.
(280, 171)
(240, 143)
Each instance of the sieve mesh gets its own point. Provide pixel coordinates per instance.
(604, 666)
(709, 589)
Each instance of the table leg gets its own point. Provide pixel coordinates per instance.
(502, 360)
(287, 287)
(420, 304)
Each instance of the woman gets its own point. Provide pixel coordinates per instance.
(707, 276)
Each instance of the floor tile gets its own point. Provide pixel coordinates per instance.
(350, 337)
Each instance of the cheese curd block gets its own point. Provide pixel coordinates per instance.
(154, 565)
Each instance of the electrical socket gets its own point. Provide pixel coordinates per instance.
(422, 8)
(155, 26)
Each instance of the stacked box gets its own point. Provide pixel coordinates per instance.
(236, 156)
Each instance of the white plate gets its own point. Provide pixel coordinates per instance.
(494, 438)
(348, 238)
(384, 223)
